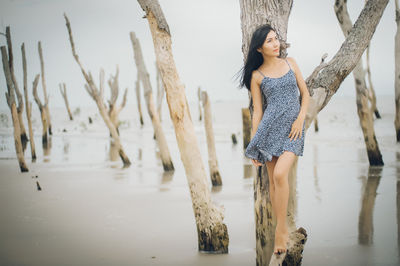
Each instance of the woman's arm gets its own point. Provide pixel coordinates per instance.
(305, 95)
(297, 126)
(257, 103)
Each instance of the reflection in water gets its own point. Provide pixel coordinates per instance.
(113, 153)
(315, 169)
(66, 148)
(249, 170)
(46, 150)
(140, 154)
(365, 221)
(166, 179)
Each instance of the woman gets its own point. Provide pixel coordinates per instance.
(277, 134)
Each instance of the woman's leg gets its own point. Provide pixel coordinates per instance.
(270, 170)
(280, 176)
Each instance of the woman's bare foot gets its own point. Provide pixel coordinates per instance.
(281, 239)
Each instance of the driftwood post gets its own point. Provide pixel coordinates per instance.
(63, 90)
(113, 109)
(137, 89)
(322, 85)
(160, 92)
(46, 96)
(43, 115)
(20, 108)
(397, 71)
(10, 96)
(363, 110)
(371, 90)
(211, 231)
(246, 125)
(97, 96)
(148, 95)
(199, 98)
(212, 154)
(28, 104)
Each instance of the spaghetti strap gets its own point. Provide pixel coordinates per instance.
(288, 63)
(261, 73)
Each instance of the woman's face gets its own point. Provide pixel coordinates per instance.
(271, 45)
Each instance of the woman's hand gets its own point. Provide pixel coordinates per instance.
(256, 163)
(297, 127)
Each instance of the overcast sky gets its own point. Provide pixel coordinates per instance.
(206, 39)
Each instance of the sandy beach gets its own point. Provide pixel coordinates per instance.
(92, 211)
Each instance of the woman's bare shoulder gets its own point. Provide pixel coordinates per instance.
(256, 76)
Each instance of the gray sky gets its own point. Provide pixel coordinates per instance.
(206, 39)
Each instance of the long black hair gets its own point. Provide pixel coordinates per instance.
(254, 58)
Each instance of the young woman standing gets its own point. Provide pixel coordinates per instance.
(277, 134)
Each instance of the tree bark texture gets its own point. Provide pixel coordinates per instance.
(212, 232)
(363, 110)
(97, 96)
(10, 96)
(212, 154)
(246, 125)
(151, 108)
(160, 92)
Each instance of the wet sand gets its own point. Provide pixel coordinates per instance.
(91, 211)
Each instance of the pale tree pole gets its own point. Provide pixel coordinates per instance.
(211, 231)
(46, 96)
(43, 115)
(397, 71)
(113, 109)
(322, 84)
(199, 99)
(363, 110)
(97, 95)
(212, 153)
(10, 96)
(28, 104)
(20, 108)
(63, 91)
(151, 108)
(371, 90)
(137, 90)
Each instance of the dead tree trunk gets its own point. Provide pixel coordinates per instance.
(160, 92)
(211, 231)
(20, 108)
(28, 104)
(246, 124)
(199, 98)
(113, 109)
(397, 72)
(363, 110)
(148, 95)
(10, 96)
(371, 90)
(137, 89)
(212, 154)
(46, 96)
(63, 90)
(322, 83)
(97, 95)
(43, 115)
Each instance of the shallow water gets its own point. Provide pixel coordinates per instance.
(92, 211)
